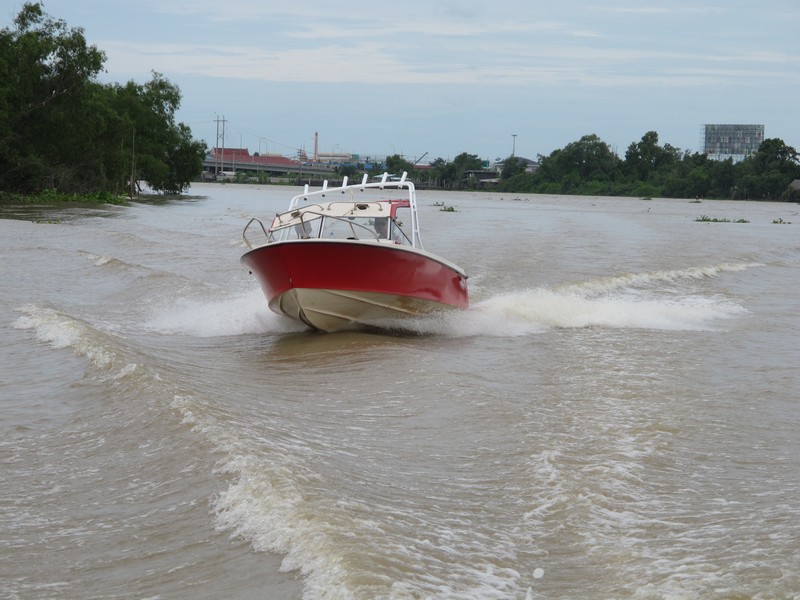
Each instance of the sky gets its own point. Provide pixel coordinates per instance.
(432, 79)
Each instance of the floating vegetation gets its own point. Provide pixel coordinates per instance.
(780, 221)
(707, 219)
(447, 208)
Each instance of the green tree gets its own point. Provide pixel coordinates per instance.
(396, 164)
(443, 173)
(512, 166)
(767, 173)
(641, 157)
(589, 167)
(349, 171)
(518, 183)
(723, 177)
(577, 165)
(463, 163)
(453, 174)
(46, 71)
(61, 129)
(164, 153)
(646, 161)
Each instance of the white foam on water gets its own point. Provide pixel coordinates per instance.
(62, 331)
(267, 503)
(99, 260)
(542, 309)
(535, 311)
(637, 300)
(604, 285)
(264, 505)
(50, 327)
(230, 315)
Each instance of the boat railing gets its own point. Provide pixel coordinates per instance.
(247, 242)
(384, 183)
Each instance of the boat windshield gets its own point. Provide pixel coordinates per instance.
(315, 224)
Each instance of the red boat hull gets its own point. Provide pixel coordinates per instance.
(338, 284)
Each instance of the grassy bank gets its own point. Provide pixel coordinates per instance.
(55, 197)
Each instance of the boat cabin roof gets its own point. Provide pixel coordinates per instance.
(340, 209)
(311, 215)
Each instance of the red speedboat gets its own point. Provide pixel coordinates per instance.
(351, 256)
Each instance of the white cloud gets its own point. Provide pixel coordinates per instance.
(516, 63)
(622, 64)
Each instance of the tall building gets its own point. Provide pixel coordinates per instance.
(731, 141)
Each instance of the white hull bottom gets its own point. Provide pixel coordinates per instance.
(335, 310)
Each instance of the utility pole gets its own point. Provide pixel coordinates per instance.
(514, 146)
(220, 154)
(133, 163)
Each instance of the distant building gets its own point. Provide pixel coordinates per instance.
(794, 189)
(731, 141)
(223, 163)
(531, 166)
(336, 158)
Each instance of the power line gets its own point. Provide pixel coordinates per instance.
(261, 137)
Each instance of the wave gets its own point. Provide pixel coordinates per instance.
(60, 330)
(627, 301)
(539, 310)
(605, 285)
(101, 261)
(264, 503)
(236, 314)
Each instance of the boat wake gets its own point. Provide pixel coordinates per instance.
(60, 330)
(539, 310)
(656, 300)
(244, 313)
(656, 278)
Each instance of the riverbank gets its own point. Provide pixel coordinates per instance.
(53, 196)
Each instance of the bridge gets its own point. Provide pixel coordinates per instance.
(223, 163)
